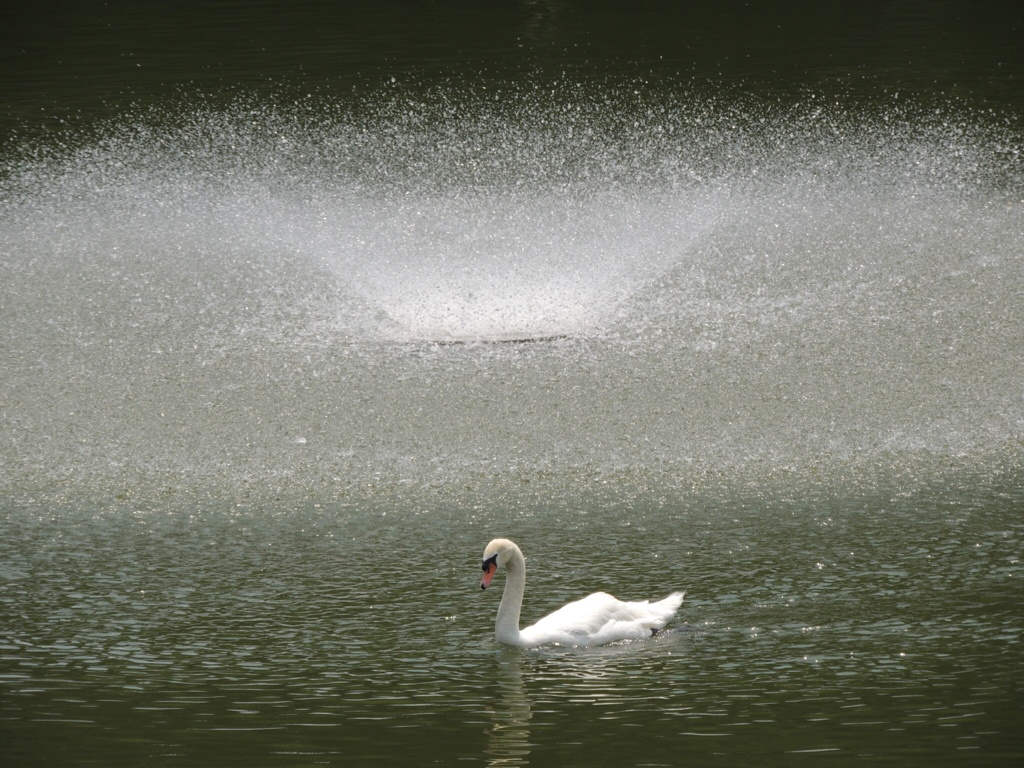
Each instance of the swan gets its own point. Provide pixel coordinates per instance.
(594, 620)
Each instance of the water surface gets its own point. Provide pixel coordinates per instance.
(875, 629)
(259, 414)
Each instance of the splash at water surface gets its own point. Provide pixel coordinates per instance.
(250, 297)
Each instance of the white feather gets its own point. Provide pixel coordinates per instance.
(595, 620)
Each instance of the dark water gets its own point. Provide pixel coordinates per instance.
(874, 629)
(55, 65)
(256, 431)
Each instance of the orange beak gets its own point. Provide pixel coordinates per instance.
(490, 568)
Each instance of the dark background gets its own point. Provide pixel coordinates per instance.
(84, 60)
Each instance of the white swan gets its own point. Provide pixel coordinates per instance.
(594, 620)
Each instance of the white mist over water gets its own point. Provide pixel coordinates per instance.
(248, 300)
(512, 265)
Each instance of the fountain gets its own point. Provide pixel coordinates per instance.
(305, 299)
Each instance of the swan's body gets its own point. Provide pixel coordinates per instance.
(594, 620)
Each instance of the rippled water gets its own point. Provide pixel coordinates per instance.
(886, 627)
(260, 412)
(248, 476)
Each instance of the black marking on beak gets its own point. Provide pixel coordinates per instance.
(492, 560)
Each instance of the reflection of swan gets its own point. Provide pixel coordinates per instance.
(509, 736)
(594, 620)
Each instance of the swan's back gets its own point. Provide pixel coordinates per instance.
(600, 618)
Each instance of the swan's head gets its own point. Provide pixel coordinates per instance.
(496, 555)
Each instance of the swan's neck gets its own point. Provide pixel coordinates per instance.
(506, 626)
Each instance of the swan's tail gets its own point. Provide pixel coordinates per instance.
(665, 609)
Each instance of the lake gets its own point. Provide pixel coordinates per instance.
(302, 308)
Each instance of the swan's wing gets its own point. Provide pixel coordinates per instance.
(600, 618)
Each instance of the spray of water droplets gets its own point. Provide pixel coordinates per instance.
(264, 293)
